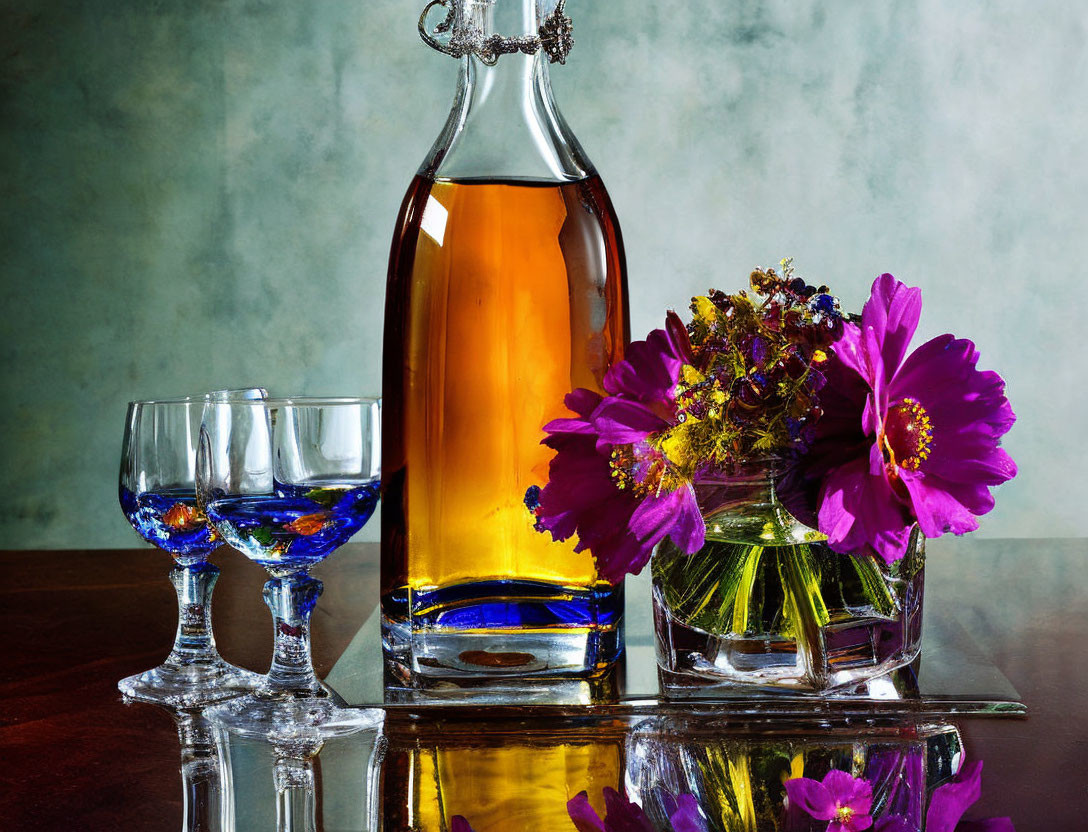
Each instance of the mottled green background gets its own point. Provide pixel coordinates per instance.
(200, 194)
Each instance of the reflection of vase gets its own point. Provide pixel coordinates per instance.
(501, 777)
(766, 602)
(737, 778)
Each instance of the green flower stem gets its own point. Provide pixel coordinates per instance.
(805, 604)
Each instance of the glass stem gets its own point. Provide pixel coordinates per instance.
(194, 642)
(291, 601)
(296, 795)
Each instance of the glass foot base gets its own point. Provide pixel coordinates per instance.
(287, 719)
(189, 686)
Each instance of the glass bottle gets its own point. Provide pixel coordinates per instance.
(767, 603)
(506, 290)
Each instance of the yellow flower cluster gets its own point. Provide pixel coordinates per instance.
(751, 390)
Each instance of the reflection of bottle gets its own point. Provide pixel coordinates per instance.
(500, 778)
(507, 289)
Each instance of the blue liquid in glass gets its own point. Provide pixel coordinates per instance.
(169, 519)
(296, 527)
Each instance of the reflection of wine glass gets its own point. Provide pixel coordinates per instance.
(158, 496)
(286, 482)
(208, 798)
(303, 784)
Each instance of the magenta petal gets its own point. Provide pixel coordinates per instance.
(937, 368)
(951, 800)
(687, 817)
(617, 554)
(568, 426)
(582, 401)
(622, 815)
(870, 417)
(678, 335)
(892, 311)
(812, 797)
(936, 509)
(688, 530)
(860, 513)
(847, 790)
(622, 422)
(459, 824)
(942, 375)
(859, 350)
(648, 372)
(585, 819)
(675, 514)
(971, 461)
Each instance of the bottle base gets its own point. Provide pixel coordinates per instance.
(501, 630)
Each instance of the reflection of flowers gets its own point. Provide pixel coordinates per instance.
(623, 815)
(845, 802)
(839, 798)
(905, 438)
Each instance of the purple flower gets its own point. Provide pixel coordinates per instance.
(459, 824)
(839, 798)
(622, 815)
(905, 439)
(605, 482)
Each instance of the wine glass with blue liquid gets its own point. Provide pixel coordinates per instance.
(157, 491)
(287, 482)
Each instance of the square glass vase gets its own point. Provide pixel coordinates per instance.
(767, 604)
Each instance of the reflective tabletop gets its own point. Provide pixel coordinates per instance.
(1002, 680)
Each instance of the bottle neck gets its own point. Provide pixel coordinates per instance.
(504, 123)
(502, 18)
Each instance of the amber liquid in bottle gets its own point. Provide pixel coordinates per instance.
(503, 296)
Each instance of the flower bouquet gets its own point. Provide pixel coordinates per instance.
(784, 462)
